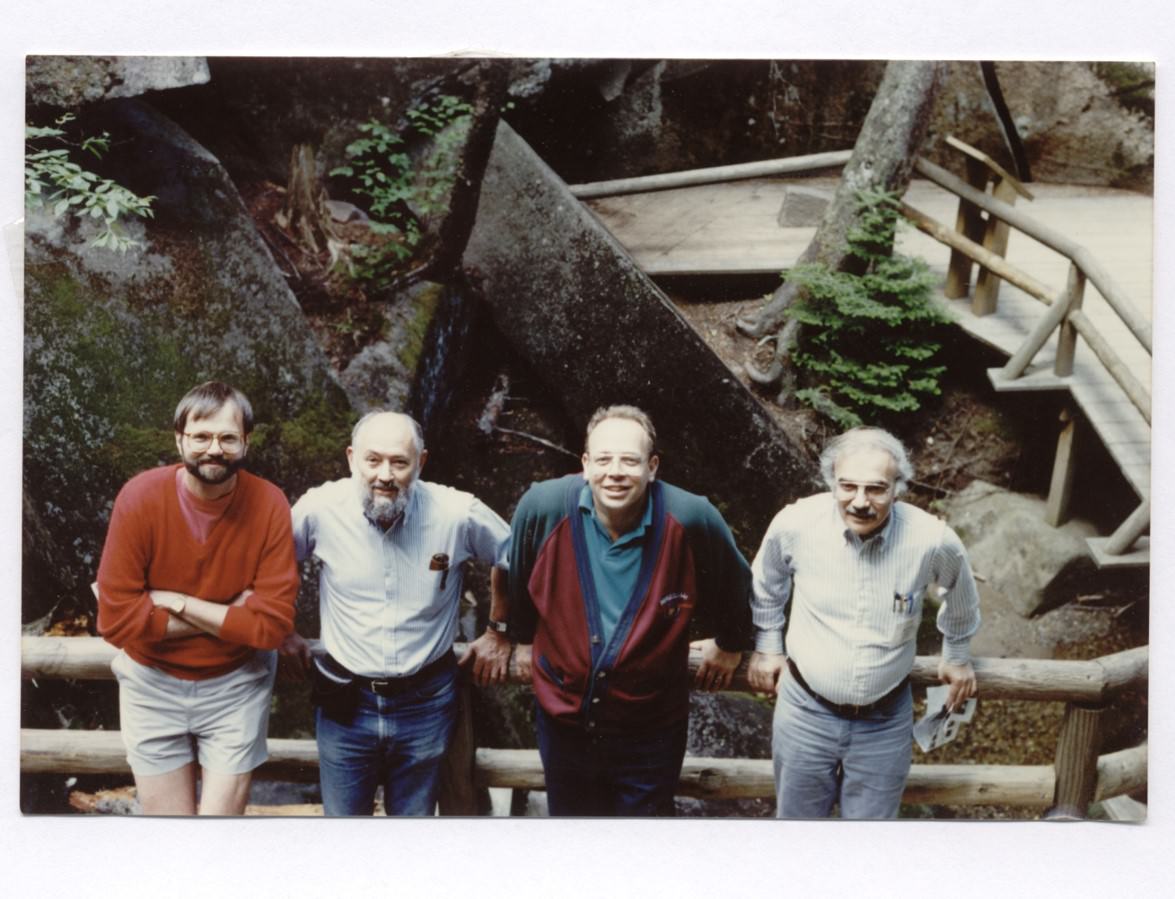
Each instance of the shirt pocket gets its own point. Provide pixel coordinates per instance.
(905, 614)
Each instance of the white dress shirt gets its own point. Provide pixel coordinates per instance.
(856, 604)
(385, 608)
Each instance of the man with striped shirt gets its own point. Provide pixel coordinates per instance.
(391, 549)
(856, 565)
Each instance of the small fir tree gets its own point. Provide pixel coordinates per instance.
(868, 343)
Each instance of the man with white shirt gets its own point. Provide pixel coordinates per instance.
(856, 565)
(391, 549)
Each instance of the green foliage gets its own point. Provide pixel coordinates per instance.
(867, 345)
(400, 191)
(52, 179)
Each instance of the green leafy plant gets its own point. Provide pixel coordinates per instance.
(868, 343)
(399, 191)
(52, 179)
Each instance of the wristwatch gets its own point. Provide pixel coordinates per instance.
(498, 627)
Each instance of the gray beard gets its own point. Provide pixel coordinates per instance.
(383, 513)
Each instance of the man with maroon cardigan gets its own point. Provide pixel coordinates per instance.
(606, 571)
(196, 587)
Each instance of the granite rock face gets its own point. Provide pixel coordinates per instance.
(574, 304)
(70, 81)
(1014, 548)
(112, 341)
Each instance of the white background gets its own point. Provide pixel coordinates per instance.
(82, 856)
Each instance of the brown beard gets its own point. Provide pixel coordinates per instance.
(231, 467)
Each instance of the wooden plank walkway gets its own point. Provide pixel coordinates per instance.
(734, 229)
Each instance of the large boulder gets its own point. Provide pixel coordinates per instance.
(70, 81)
(1074, 127)
(1012, 546)
(113, 340)
(589, 322)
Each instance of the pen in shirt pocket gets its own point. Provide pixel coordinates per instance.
(440, 562)
(903, 604)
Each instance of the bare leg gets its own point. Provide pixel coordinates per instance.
(173, 793)
(224, 794)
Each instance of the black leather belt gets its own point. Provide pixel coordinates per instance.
(847, 711)
(394, 686)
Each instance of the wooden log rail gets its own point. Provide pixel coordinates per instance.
(1042, 680)
(1065, 305)
(1079, 777)
(296, 761)
(1021, 221)
(715, 175)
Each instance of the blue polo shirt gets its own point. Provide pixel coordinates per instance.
(615, 564)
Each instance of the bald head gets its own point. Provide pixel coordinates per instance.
(383, 419)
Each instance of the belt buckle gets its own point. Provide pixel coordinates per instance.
(378, 686)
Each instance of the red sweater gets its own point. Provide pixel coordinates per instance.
(150, 546)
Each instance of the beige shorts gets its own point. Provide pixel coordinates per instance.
(167, 722)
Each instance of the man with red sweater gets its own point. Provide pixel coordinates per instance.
(196, 587)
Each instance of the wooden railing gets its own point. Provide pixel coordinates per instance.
(1064, 313)
(1079, 776)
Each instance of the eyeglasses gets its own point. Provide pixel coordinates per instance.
(230, 443)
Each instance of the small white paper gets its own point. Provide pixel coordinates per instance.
(938, 726)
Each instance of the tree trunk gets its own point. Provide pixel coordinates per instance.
(305, 215)
(883, 157)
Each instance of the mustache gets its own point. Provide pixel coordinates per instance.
(862, 513)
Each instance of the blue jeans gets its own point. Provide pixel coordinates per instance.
(398, 741)
(609, 774)
(821, 758)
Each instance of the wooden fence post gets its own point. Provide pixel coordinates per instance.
(1067, 336)
(1078, 746)
(987, 285)
(457, 794)
(969, 223)
(1056, 511)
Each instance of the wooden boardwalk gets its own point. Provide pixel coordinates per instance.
(734, 228)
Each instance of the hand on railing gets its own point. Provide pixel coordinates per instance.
(717, 667)
(764, 670)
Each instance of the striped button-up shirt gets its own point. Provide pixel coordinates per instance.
(387, 607)
(856, 604)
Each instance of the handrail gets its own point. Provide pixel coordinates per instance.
(991, 165)
(997, 265)
(1086, 685)
(1044, 680)
(1093, 270)
(713, 175)
(296, 761)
